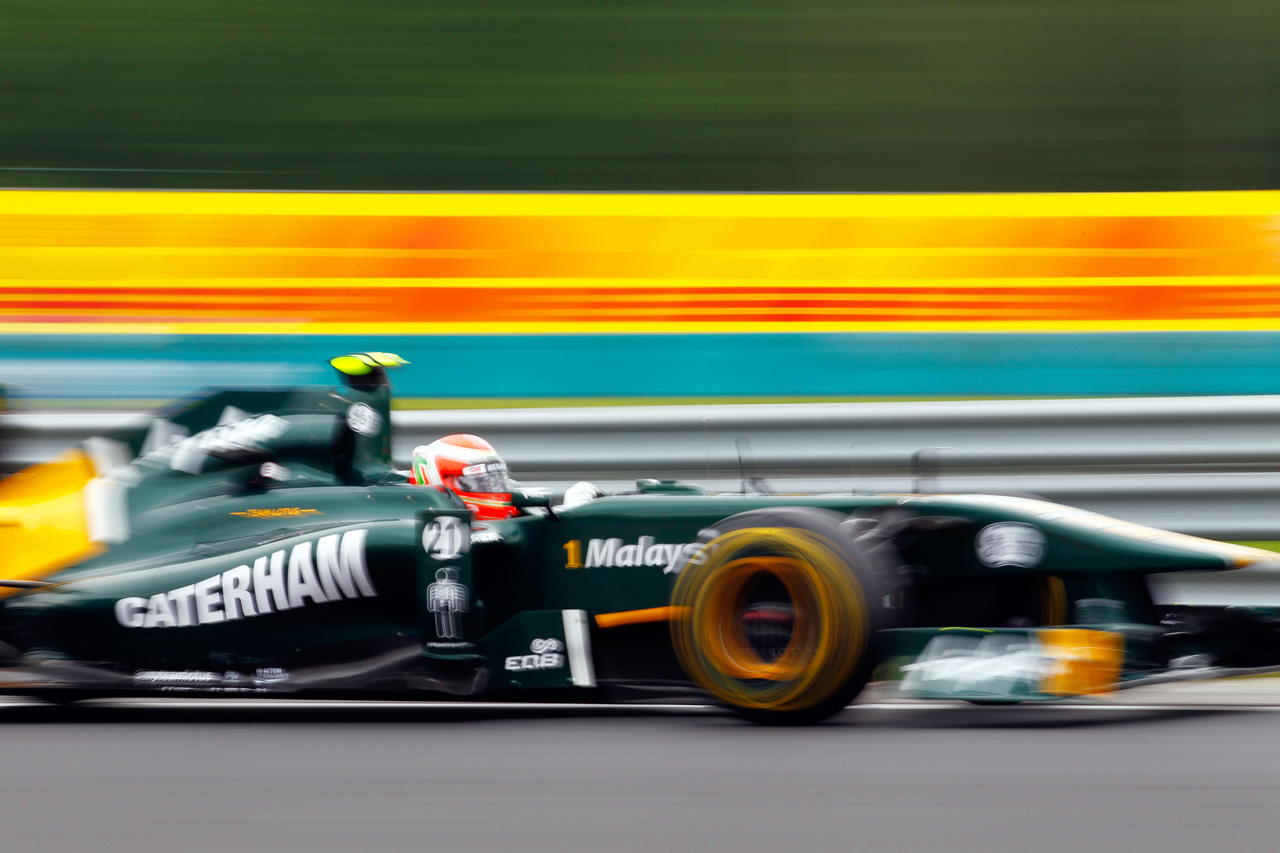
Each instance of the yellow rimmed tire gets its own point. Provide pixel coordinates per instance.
(776, 615)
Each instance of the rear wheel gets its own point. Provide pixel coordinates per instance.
(776, 615)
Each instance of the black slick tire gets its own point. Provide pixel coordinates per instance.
(829, 579)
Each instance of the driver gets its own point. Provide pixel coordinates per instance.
(468, 466)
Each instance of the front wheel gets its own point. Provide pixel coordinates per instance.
(776, 615)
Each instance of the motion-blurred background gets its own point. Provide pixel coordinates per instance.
(648, 95)
(538, 299)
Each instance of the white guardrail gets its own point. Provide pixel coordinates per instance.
(1209, 466)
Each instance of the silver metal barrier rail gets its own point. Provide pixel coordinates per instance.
(1203, 465)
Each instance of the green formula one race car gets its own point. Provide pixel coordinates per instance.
(262, 543)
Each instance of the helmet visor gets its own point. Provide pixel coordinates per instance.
(488, 477)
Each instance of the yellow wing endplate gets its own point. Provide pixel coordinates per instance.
(44, 519)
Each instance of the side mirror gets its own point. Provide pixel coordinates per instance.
(526, 498)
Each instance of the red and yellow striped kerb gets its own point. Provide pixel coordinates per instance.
(338, 263)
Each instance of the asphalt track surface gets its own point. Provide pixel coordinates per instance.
(200, 776)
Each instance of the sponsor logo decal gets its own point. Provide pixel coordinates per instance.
(447, 598)
(270, 675)
(544, 654)
(1010, 543)
(645, 551)
(278, 512)
(282, 580)
(446, 537)
(221, 682)
(158, 676)
(364, 419)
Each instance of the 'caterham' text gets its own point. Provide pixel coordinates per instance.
(283, 580)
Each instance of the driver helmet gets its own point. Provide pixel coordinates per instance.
(469, 467)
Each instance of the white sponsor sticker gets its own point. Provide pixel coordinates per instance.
(544, 654)
(270, 675)
(158, 676)
(446, 537)
(364, 419)
(1010, 543)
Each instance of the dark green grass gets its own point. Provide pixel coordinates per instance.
(806, 95)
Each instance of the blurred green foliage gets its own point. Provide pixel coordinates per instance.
(809, 95)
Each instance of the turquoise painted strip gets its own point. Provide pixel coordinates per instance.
(749, 365)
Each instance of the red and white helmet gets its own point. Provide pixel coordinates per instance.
(468, 466)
